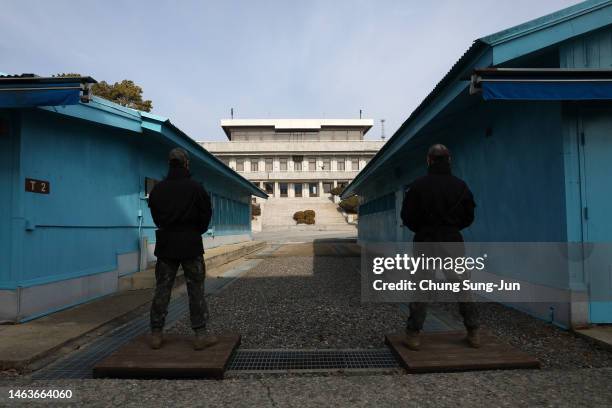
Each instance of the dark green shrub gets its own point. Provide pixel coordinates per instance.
(255, 210)
(350, 205)
(309, 214)
(337, 190)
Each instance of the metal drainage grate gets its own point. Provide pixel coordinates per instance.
(281, 360)
(81, 363)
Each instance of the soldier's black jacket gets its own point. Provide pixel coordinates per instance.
(181, 209)
(438, 206)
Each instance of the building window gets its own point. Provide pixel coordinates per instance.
(269, 188)
(312, 164)
(313, 189)
(326, 164)
(283, 189)
(283, 164)
(354, 164)
(225, 161)
(297, 188)
(269, 164)
(239, 164)
(340, 164)
(297, 163)
(254, 165)
(327, 187)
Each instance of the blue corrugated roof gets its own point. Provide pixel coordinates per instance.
(545, 21)
(97, 102)
(99, 109)
(198, 148)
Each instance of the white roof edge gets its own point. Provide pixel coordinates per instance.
(297, 123)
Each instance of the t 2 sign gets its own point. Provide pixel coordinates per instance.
(37, 186)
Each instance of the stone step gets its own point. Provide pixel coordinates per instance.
(315, 227)
(277, 214)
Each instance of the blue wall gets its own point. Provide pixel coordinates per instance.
(516, 174)
(588, 51)
(520, 163)
(97, 181)
(377, 219)
(7, 154)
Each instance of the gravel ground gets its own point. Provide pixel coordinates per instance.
(521, 388)
(300, 302)
(314, 302)
(553, 346)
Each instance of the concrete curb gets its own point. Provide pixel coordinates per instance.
(27, 343)
(213, 258)
(601, 336)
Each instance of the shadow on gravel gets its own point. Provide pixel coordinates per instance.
(305, 295)
(308, 296)
(335, 247)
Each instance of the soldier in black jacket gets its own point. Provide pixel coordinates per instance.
(181, 209)
(436, 208)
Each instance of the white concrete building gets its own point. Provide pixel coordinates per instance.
(296, 157)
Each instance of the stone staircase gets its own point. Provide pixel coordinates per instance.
(277, 214)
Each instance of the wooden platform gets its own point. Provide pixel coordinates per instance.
(448, 351)
(176, 359)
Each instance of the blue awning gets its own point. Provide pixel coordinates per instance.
(26, 98)
(29, 90)
(546, 90)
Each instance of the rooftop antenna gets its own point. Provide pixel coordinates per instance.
(232, 113)
(382, 129)
(360, 112)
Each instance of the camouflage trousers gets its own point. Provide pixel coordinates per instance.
(165, 273)
(418, 313)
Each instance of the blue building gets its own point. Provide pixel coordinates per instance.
(75, 172)
(528, 116)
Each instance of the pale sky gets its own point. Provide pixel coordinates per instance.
(266, 59)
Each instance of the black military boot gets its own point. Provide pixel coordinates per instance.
(202, 341)
(413, 339)
(157, 339)
(473, 338)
